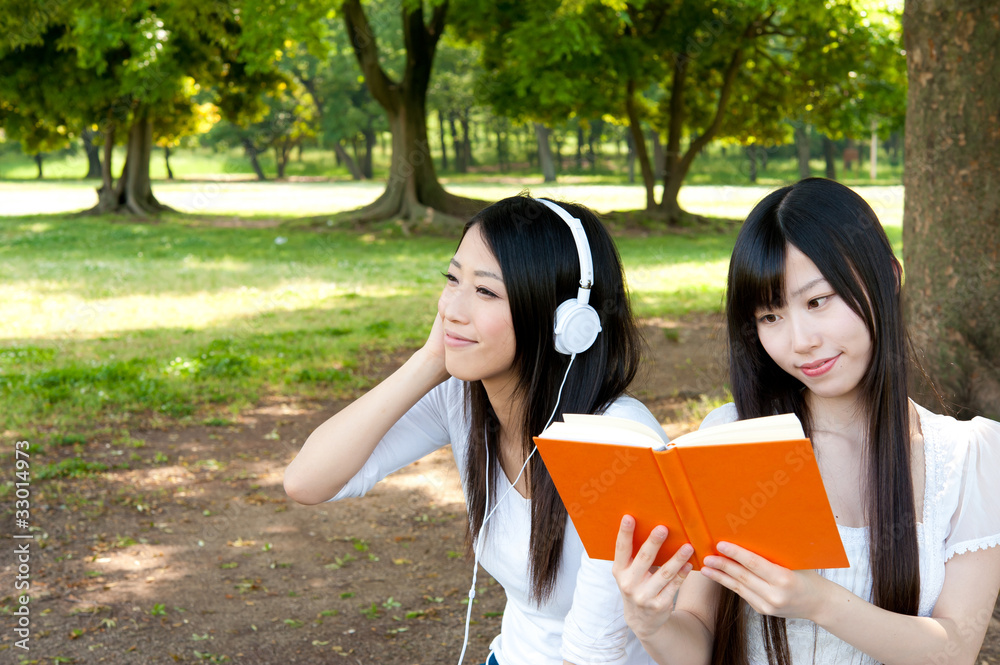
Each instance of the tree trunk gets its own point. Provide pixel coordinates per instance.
(133, 193)
(413, 192)
(951, 219)
(166, 161)
(677, 165)
(802, 150)
(93, 153)
(444, 143)
(830, 157)
(501, 152)
(251, 152)
(638, 145)
(873, 152)
(630, 158)
(280, 158)
(38, 163)
(470, 159)
(456, 143)
(751, 151)
(347, 160)
(579, 147)
(366, 160)
(545, 153)
(658, 157)
(596, 129)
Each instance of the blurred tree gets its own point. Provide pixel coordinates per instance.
(125, 64)
(696, 70)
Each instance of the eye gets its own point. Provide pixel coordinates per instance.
(483, 291)
(818, 302)
(767, 318)
(451, 278)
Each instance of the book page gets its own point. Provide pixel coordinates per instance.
(603, 429)
(754, 430)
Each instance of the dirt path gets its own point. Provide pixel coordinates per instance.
(196, 555)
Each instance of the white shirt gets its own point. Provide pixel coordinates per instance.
(583, 619)
(961, 496)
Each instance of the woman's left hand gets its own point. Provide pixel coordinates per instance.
(767, 587)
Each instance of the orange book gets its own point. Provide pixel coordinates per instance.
(753, 482)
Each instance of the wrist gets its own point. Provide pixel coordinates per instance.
(429, 365)
(828, 605)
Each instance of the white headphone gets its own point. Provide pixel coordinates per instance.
(577, 323)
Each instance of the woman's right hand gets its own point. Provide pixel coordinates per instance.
(647, 590)
(433, 348)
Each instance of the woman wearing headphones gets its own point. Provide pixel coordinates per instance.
(491, 375)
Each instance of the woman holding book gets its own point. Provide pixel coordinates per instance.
(491, 375)
(816, 328)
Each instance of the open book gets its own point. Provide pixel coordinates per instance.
(753, 482)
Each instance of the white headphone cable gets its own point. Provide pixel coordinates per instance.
(489, 513)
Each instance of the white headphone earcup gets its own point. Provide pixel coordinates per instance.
(577, 326)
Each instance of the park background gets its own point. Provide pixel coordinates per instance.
(223, 220)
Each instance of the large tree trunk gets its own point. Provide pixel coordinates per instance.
(545, 153)
(802, 150)
(951, 220)
(133, 193)
(38, 163)
(413, 192)
(93, 153)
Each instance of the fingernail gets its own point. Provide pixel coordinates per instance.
(686, 550)
(659, 532)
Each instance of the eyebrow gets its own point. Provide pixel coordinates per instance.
(807, 286)
(479, 273)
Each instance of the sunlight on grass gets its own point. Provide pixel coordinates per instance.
(27, 313)
(110, 323)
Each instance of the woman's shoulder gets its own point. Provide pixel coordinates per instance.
(720, 416)
(950, 439)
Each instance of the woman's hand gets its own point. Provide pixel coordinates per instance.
(433, 349)
(767, 587)
(648, 591)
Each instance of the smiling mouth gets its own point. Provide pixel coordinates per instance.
(820, 366)
(456, 340)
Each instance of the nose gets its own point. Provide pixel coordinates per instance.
(806, 334)
(451, 305)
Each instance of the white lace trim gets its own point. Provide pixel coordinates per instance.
(972, 546)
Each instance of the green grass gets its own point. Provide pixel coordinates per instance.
(107, 325)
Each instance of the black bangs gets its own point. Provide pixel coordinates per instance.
(757, 267)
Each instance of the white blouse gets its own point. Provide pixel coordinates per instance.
(583, 620)
(961, 514)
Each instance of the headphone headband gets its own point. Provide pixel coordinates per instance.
(582, 248)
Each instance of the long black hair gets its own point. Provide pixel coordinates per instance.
(840, 233)
(541, 269)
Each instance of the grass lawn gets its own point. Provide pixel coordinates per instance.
(107, 324)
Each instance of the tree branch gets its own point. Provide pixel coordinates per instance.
(727, 87)
(383, 88)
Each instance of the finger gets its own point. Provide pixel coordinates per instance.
(733, 584)
(623, 545)
(647, 552)
(672, 566)
(754, 563)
